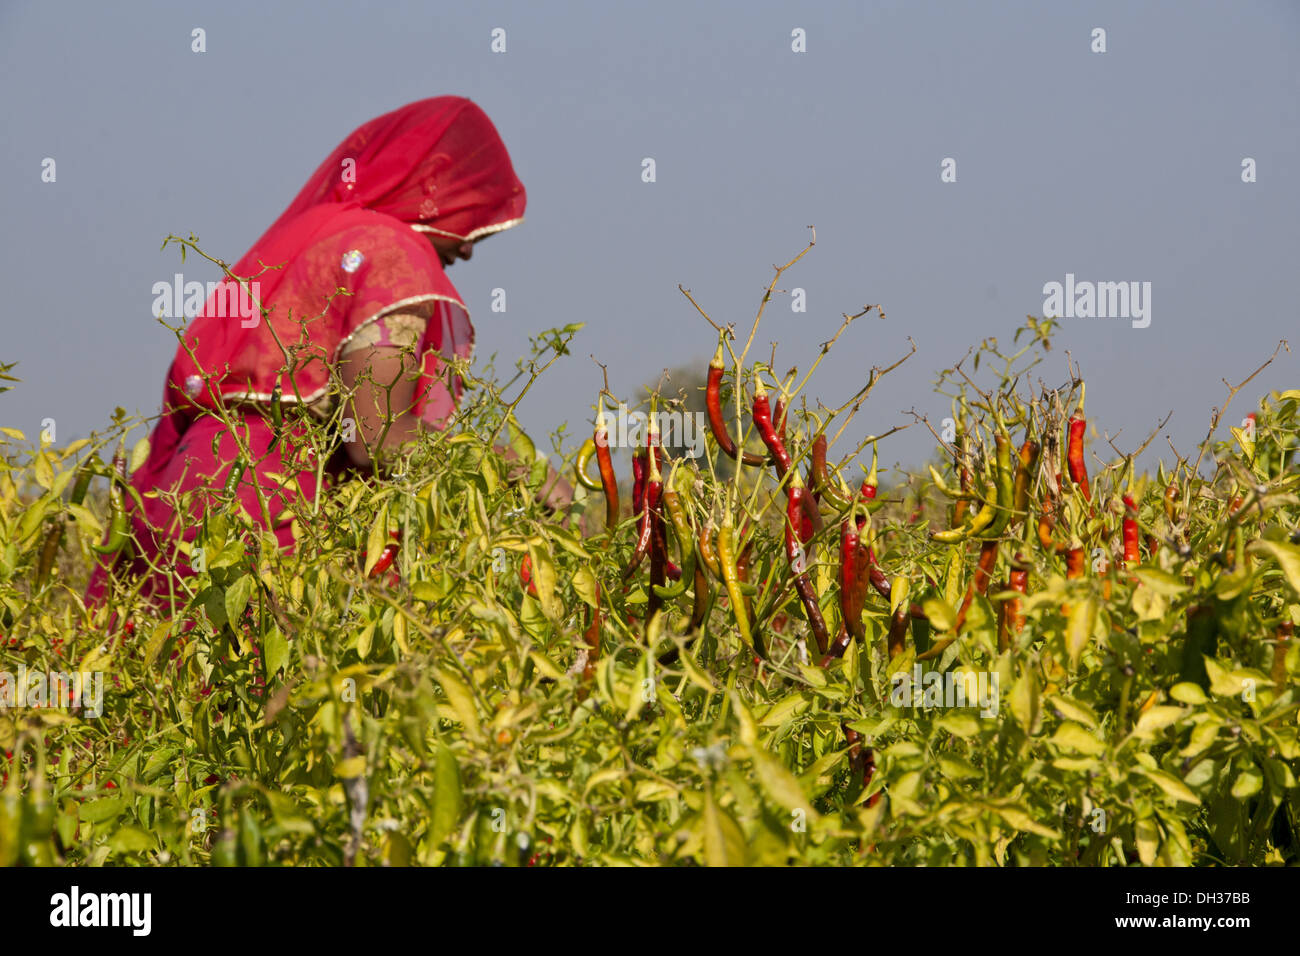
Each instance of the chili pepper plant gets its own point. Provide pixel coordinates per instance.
(752, 660)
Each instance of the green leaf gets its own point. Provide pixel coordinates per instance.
(1146, 834)
(460, 698)
(1247, 784)
(446, 796)
(1078, 633)
(544, 577)
(584, 585)
(139, 453)
(1072, 736)
(724, 841)
(1075, 710)
(1188, 693)
(1162, 582)
(131, 840)
(377, 539)
(275, 652)
(365, 640)
(780, 784)
(1287, 557)
(215, 605)
(97, 811)
(941, 614)
(1026, 702)
(237, 596)
(43, 471)
(1171, 785)
(958, 724)
(1158, 718)
(1021, 820)
(351, 767)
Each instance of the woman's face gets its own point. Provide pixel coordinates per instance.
(449, 249)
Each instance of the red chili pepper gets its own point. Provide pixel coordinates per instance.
(899, 625)
(798, 559)
(980, 582)
(658, 539)
(708, 555)
(1012, 618)
(608, 482)
(1074, 452)
(811, 522)
(638, 485)
(1171, 501)
(526, 574)
(837, 648)
(700, 607)
(713, 403)
(654, 488)
(861, 760)
(1130, 532)
(819, 477)
(385, 559)
(1075, 562)
(869, 771)
(1028, 458)
(766, 431)
(872, 481)
(1046, 525)
(850, 590)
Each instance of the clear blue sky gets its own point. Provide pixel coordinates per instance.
(1116, 166)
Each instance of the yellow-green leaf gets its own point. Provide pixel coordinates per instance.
(1072, 736)
(461, 699)
(1083, 618)
(724, 841)
(1287, 557)
(377, 539)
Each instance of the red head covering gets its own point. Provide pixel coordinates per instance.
(344, 253)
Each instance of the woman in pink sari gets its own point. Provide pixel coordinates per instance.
(351, 280)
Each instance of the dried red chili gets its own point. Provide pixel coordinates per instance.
(797, 558)
(713, 404)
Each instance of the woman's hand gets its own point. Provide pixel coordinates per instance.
(555, 493)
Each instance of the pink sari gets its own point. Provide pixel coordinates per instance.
(347, 251)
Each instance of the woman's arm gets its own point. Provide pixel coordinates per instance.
(381, 380)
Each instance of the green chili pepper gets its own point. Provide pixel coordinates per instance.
(585, 454)
(85, 473)
(731, 577)
(49, 552)
(277, 415)
(1006, 488)
(118, 524)
(685, 544)
(233, 479)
